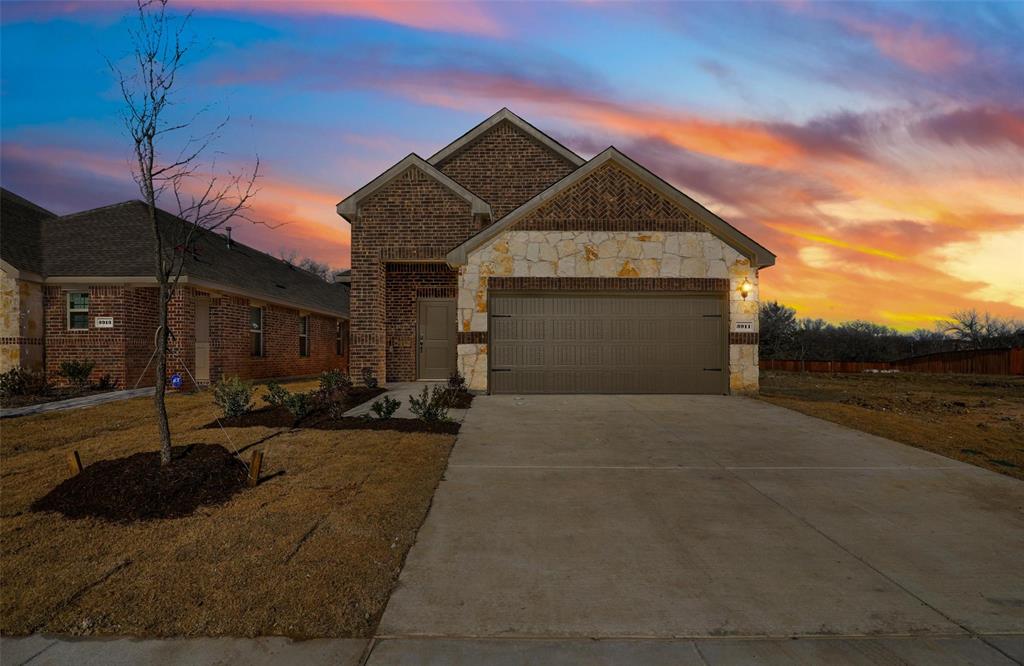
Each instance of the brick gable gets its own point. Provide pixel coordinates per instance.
(505, 167)
(609, 199)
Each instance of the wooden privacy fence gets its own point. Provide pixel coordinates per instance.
(973, 362)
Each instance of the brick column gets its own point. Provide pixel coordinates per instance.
(367, 335)
(181, 318)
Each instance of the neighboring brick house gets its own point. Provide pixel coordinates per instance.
(236, 311)
(510, 258)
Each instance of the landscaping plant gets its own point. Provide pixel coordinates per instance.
(233, 396)
(369, 379)
(456, 382)
(386, 407)
(334, 381)
(300, 405)
(431, 405)
(106, 382)
(276, 395)
(76, 372)
(15, 381)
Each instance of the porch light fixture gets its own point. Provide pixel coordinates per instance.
(746, 288)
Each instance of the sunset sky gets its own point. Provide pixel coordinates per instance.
(877, 149)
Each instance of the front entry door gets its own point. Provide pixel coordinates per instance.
(203, 340)
(436, 338)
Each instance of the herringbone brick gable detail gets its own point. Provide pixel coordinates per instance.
(609, 199)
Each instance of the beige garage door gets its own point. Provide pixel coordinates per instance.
(594, 343)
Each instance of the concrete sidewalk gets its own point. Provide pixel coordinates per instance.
(76, 403)
(836, 651)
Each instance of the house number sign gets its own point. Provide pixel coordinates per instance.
(104, 322)
(743, 326)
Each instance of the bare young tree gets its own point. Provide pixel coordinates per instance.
(169, 161)
(308, 264)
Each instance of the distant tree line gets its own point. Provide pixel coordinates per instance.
(785, 336)
(318, 268)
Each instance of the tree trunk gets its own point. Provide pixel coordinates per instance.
(161, 377)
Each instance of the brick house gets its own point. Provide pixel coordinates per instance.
(528, 269)
(80, 287)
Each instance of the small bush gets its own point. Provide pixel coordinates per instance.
(106, 383)
(456, 382)
(334, 381)
(300, 405)
(76, 372)
(276, 395)
(14, 382)
(431, 405)
(233, 396)
(369, 379)
(385, 407)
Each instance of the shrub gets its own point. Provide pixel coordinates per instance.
(106, 382)
(431, 405)
(456, 382)
(334, 381)
(76, 372)
(369, 379)
(300, 405)
(385, 407)
(233, 396)
(276, 395)
(18, 381)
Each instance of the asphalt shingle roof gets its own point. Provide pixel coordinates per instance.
(115, 241)
(21, 232)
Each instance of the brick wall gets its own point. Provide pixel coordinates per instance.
(505, 167)
(413, 216)
(405, 285)
(124, 350)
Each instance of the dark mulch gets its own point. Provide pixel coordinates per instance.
(137, 488)
(460, 400)
(402, 425)
(279, 417)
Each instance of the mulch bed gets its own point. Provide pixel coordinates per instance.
(402, 425)
(137, 487)
(279, 417)
(50, 396)
(460, 400)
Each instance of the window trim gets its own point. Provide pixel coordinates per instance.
(303, 336)
(257, 331)
(339, 339)
(68, 310)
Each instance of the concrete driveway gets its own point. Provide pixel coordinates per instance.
(659, 517)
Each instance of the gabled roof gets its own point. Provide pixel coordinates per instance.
(115, 242)
(349, 206)
(504, 114)
(21, 232)
(758, 254)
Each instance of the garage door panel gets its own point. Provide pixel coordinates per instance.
(584, 343)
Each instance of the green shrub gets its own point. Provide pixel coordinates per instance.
(233, 396)
(76, 372)
(385, 407)
(106, 382)
(431, 405)
(369, 379)
(456, 382)
(333, 382)
(276, 395)
(18, 381)
(300, 405)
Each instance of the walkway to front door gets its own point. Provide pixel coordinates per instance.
(435, 338)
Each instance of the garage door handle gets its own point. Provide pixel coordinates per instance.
(717, 316)
(501, 369)
(712, 369)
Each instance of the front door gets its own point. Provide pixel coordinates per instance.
(203, 340)
(436, 338)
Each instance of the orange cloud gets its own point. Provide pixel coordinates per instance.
(912, 45)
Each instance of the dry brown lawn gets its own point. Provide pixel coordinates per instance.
(313, 551)
(974, 418)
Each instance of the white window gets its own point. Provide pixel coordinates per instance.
(339, 339)
(256, 330)
(78, 310)
(303, 336)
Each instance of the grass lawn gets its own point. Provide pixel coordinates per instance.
(313, 551)
(974, 418)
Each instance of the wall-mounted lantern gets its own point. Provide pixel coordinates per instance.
(746, 288)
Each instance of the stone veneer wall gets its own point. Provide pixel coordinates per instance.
(21, 323)
(608, 254)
